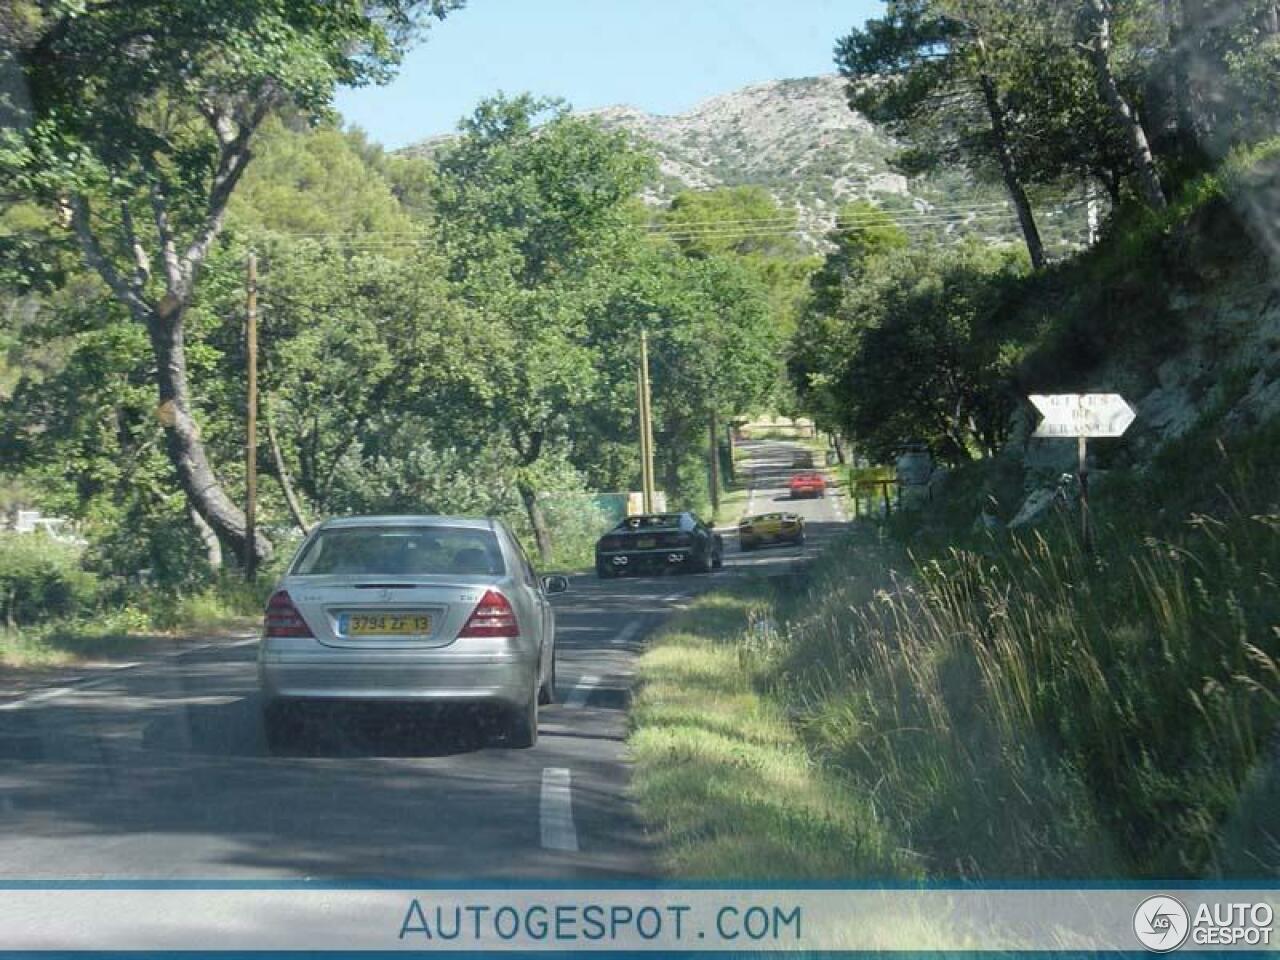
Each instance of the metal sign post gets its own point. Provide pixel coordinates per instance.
(1082, 471)
(1082, 415)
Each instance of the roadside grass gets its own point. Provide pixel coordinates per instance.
(569, 560)
(56, 645)
(1022, 708)
(152, 618)
(994, 706)
(721, 777)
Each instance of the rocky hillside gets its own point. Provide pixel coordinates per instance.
(799, 140)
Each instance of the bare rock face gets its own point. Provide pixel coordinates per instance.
(1228, 367)
(798, 139)
(1034, 507)
(766, 133)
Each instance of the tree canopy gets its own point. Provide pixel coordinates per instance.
(137, 127)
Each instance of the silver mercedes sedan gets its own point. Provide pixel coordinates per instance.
(412, 609)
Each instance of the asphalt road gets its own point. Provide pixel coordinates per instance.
(160, 771)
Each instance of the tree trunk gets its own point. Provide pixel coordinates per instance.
(733, 470)
(1112, 183)
(1203, 67)
(282, 474)
(1187, 135)
(1009, 172)
(182, 436)
(1121, 110)
(670, 472)
(1269, 19)
(212, 546)
(541, 534)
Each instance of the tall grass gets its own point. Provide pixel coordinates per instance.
(995, 705)
(1021, 708)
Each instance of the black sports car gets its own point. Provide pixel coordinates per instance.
(660, 541)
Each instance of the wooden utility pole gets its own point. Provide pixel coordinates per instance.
(646, 426)
(713, 462)
(251, 421)
(644, 439)
(1086, 529)
(733, 468)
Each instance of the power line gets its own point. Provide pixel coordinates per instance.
(937, 216)
(923, 223)
(876, 215)
(921, 220)
(842, 224)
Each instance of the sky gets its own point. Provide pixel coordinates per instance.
(662, 56)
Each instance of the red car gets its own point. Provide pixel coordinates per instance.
(807, 485)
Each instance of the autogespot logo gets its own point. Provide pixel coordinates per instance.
(1161, 923)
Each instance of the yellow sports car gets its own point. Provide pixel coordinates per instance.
(769, 528)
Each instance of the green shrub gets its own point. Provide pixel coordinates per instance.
(155, 537)
(225, 598)
(41, 578)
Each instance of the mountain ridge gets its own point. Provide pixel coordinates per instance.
(798, 139)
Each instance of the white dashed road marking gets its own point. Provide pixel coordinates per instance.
(111, 672)
(555, 813)
(581, 691)
(35, 698)
(626, 633)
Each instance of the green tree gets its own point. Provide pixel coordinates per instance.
(83, 434)
(531, 202)
(714, 347)
(316, 182)
(1226, 62)
(141, 122)
(747, 223)
(1060, 130)
(930, 74)
(355, 344)
(932, 357)
(863, 232)
(1098, 29)
(742, 220)
(822, 337)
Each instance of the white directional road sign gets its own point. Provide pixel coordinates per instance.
(1082, 414)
